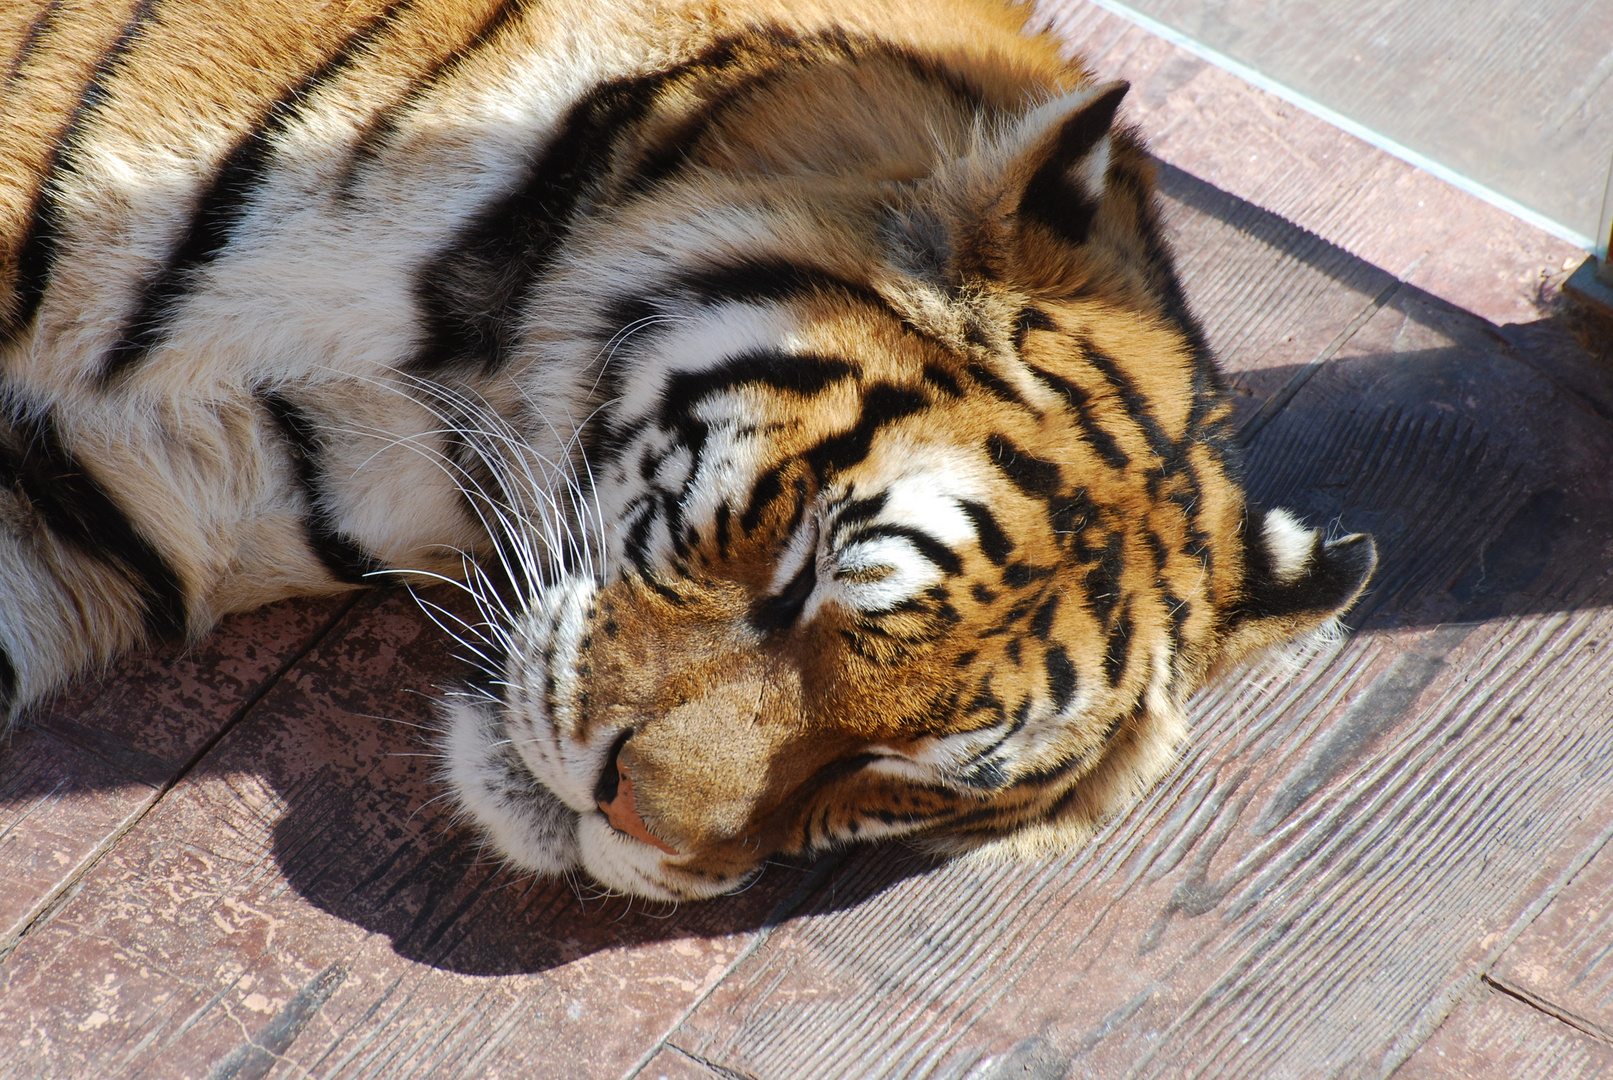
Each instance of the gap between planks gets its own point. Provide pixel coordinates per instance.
(821, 869)
(1549, 1008)
(53, 901)
(1438, 1011)
(723, 1071)
(1279, 401)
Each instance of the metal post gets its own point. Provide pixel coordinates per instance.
(1592, 283)
(1604, 234)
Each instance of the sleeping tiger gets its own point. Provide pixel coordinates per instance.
(803, 391)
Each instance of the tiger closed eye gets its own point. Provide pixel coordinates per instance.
(863, 574)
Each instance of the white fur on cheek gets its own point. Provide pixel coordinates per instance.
(545, 660)
(522, 819)
(626, 865)
(1289, 544)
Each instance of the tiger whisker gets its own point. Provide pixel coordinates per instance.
(434, 799)
(607, 351)
(479, 427)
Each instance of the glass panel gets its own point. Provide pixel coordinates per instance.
(1510, 99)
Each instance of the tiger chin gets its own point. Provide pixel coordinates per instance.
(805, 394)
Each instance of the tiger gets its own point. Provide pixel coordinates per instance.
(803, 393)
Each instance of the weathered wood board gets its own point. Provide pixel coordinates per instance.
(1497, 1037)
(1299, 296)
(87, 764)
(671, 1064)
(1563, 962)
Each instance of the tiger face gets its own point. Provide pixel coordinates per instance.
(912, 508)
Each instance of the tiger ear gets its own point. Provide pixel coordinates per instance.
(1065, 167)
(1295, 582)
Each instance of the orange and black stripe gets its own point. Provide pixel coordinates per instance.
(219, 209)
(42, 236)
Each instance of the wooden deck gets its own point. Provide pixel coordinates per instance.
(1392, 860)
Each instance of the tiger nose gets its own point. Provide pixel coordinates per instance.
(615, 800)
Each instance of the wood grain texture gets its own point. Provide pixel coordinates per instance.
(1497, 1037)
(1213, 126)
(1273, 299)
(1563, 962)
(57, 807)
(153, 711)
(303, 901)
(87, 764)
(1342, 852)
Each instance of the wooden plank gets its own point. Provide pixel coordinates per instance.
(1562, 962)
(1435, 781)
(87, 764)
(152, 712)
(56, 806)
(1214, 126)
(1273, 299)
(304, 900)
(1493, 1036)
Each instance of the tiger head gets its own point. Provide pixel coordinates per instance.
(915, 512)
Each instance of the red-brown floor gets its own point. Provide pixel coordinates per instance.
(230, 863)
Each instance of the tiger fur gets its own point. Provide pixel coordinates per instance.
(803, 389)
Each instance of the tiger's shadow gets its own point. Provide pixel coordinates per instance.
(1482, 466)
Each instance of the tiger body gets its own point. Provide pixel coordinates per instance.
(805, 390)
